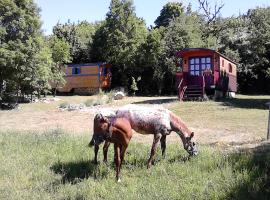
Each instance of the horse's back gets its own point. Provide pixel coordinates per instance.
(146, 120)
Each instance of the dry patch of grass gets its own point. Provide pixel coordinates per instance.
(234, 121)
(224, 123)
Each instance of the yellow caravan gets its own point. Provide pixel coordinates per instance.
(86, 78)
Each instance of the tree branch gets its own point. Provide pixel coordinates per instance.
(210, 15)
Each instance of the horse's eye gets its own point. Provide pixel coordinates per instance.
(193, 143)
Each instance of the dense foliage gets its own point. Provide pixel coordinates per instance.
(118, 40)
(21, 46)
(139, 56)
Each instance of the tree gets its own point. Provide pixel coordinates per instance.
(118, 40)
(60, 56)
(210, 14)
(79, 36)
(255, 56)
(169, 12)
(20, 39)
(149, 61)
(211, 24)
(182, 32)
(42, 75)
(85, 32)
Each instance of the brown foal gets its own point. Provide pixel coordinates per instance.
(112, 130)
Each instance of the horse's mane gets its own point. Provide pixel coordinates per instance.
(178, 125)
(105, 112)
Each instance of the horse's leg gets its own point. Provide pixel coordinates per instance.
(117, 160)
(105, 151)
(163, 144)
(123, 151)
(96, 153)
(154, 148)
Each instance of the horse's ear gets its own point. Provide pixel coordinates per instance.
(105, 119)
(191, 135)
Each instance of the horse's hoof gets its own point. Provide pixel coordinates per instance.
(95, 162)
(119, 180)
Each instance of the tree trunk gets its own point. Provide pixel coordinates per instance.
(17, 95)
(56, 85)
(54, 93)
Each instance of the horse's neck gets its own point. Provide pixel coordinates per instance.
(179, 126)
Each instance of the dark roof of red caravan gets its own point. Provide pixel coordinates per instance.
(185, 51)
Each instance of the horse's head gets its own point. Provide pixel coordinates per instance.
(190, 145)
(101, 130)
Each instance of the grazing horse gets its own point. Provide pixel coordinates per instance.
(160, 122)
(112, 130)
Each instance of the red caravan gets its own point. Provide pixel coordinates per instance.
(205, 72)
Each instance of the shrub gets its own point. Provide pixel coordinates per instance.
(64, 105)
(89, 102)
(101, 99)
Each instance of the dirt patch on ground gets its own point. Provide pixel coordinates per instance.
(72, 122)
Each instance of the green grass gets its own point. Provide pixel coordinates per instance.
(58, 166)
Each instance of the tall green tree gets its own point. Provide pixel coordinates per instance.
(79, 36)
(169, 12)
(20, 41)
(255, 52)
(85, 32)
(149, 60)
(119, 39)
(212, 23)
(42, 76)
(182, 32)
(60, 55)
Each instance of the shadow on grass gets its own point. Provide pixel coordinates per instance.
(251, 103)
(157, 101)
(75, 172)
(180, 158)
(257, 164)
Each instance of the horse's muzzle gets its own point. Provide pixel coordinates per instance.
(194, 153)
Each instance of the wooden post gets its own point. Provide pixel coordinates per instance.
(268, 130)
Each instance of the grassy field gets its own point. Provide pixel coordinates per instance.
(58, 166)
(40, 160)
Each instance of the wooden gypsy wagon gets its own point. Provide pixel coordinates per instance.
(205, 72)
(86, 78)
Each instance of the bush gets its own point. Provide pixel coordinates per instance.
(89, 102)
(101, 99)
(64, 105)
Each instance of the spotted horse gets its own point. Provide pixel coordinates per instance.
(160, 122)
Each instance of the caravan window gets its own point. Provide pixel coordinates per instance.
(199, 64)
(76, 70)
